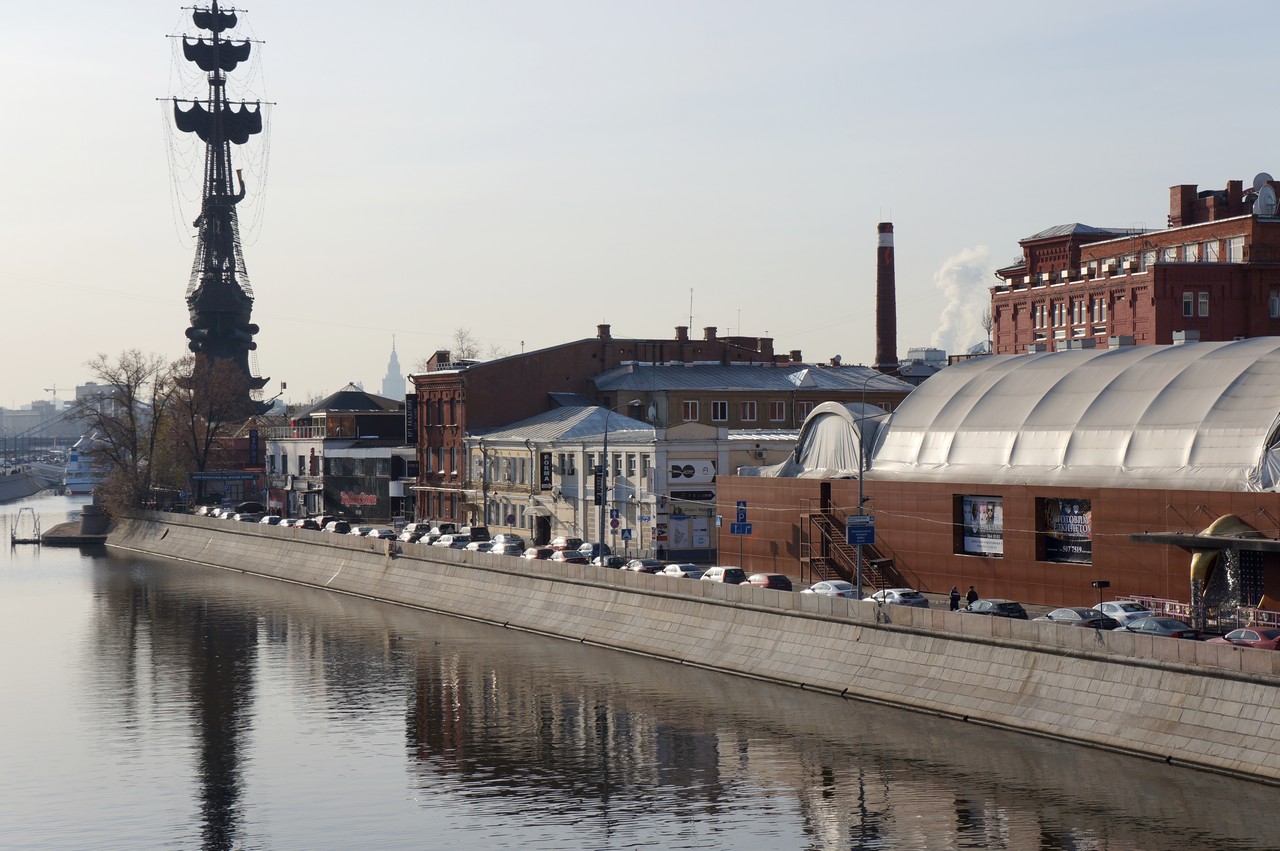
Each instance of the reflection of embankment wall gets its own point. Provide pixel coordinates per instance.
(1212, 706)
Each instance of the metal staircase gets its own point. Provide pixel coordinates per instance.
(827, 555)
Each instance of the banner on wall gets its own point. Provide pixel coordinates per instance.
(1067, 528)
(982, 518)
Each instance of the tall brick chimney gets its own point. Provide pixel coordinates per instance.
(886, 302)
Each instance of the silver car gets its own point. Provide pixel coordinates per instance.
(688, 571)
(900, 597)
(1125, 612)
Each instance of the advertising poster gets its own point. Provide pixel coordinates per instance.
(983, 520)
(1067, 528)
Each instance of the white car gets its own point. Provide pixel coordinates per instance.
(479, 546)
(832, 588)
(899, 597)
(1125, 612)
(360, 530)
(380, 532)
(688, 571)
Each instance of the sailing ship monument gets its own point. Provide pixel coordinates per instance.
(219, 297)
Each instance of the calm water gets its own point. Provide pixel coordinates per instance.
(148, 704)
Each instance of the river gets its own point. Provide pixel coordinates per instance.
(151, 704)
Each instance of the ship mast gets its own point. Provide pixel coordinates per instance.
(219, 298)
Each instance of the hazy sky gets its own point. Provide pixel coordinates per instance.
(527, 170)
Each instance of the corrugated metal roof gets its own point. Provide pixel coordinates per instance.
(573, 424)
(1077, 228)
(783, 379)
(352, 398)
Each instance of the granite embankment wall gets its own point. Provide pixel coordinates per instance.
(1215, 707)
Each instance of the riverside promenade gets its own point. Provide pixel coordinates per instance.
(1212, 707)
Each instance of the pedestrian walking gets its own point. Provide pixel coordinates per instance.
(955, 598)
(972, 596)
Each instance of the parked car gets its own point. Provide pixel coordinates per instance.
(508, 538)
(1265, 638)
(338, 527)
(307, 523)
(727, 575)
(250, 507)
(997, 609)
(644, 565)
(537, 553)
(475, 533)
(592, 550)
(285, 522)
(413, 531)
(562, 542)
(1080, 616)
(1156, 625)
(1124, 611)
(444, 528)
(246, 517)
(900, 597)
(687, 571)
(270, 520)
(506, 549)
(479, 546)
(568, 557)
(618, 562)
(832, 588)
(383, 532)
(358, 530)
(429, 538)
(776, 581)
(454, 541)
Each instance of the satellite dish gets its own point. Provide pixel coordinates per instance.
(1259, 179)
(1266, 203)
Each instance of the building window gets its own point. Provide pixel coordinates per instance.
(1148, 259)
(302, 465)
(591, 462)
(1209, 252)
(1191, 253)
(1168, 254)
(748, 410)
(719, 412)
(1188, 304)
(777, 411)
(804, 409)
(644, 466)
(1235, 249)
(1204, 304)
(617, 465)
(1273, 305)
(631, 466)
(690, 408)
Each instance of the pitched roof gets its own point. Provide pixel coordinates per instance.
(573, 424)
(1077, 229)
(760, 377)
(352, 398)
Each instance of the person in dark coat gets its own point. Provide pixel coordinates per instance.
(955, 598)
(972, 596)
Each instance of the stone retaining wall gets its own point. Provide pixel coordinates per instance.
(1209, 706)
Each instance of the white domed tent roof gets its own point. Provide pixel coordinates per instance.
(1199, 415)
(830, 441)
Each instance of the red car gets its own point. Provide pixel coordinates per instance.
(1265, 638)
(568, 557)
(769, 580)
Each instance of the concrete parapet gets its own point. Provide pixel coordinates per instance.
(1212, 706)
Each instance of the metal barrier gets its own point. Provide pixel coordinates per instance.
(1244, 615)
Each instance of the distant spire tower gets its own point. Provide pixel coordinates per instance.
(886, 302)
(219, 298)
(393, 384)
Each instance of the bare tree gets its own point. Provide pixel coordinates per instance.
(987, 322)
(127, 418)
(465, 346)
(208, 401)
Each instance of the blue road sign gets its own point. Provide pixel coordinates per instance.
(860, 529)
(626, 534)
(739, 528)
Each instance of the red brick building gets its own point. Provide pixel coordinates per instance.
(1212, 274)
(455, 398)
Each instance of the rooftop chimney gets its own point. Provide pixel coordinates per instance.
(709, 333)
(886, 303)
(682, 333)
(602, 331)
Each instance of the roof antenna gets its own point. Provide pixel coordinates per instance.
(690, 307)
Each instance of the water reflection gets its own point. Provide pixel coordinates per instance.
(513, 739)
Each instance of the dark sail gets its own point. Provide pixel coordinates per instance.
(208, 55)
(214, 20)
(237, 124)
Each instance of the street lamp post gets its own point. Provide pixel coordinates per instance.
(603, 470)
(862, 459)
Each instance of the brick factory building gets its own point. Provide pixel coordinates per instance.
(1213, 274)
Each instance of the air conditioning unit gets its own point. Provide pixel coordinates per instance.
(1065, 274)
(1044, 277)
(1110, 267)
(1026, 279)
(760, 454)
(1129, 265)
(1084, 271)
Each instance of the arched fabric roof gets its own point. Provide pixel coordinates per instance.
(829, 443)
(1198, 415)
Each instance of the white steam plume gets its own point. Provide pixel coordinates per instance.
(963, 280)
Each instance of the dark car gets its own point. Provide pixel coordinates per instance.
(439, 529)
(592, 550)
(645, 565)
(1156, 625)
(563, 542)
(537, 553)
(1080, 616)
(508, 538)
(338, 527)
(475, 533)
(1264, 638)
(997, 608)
(617, 562)
(307, 523)
(776, 581)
